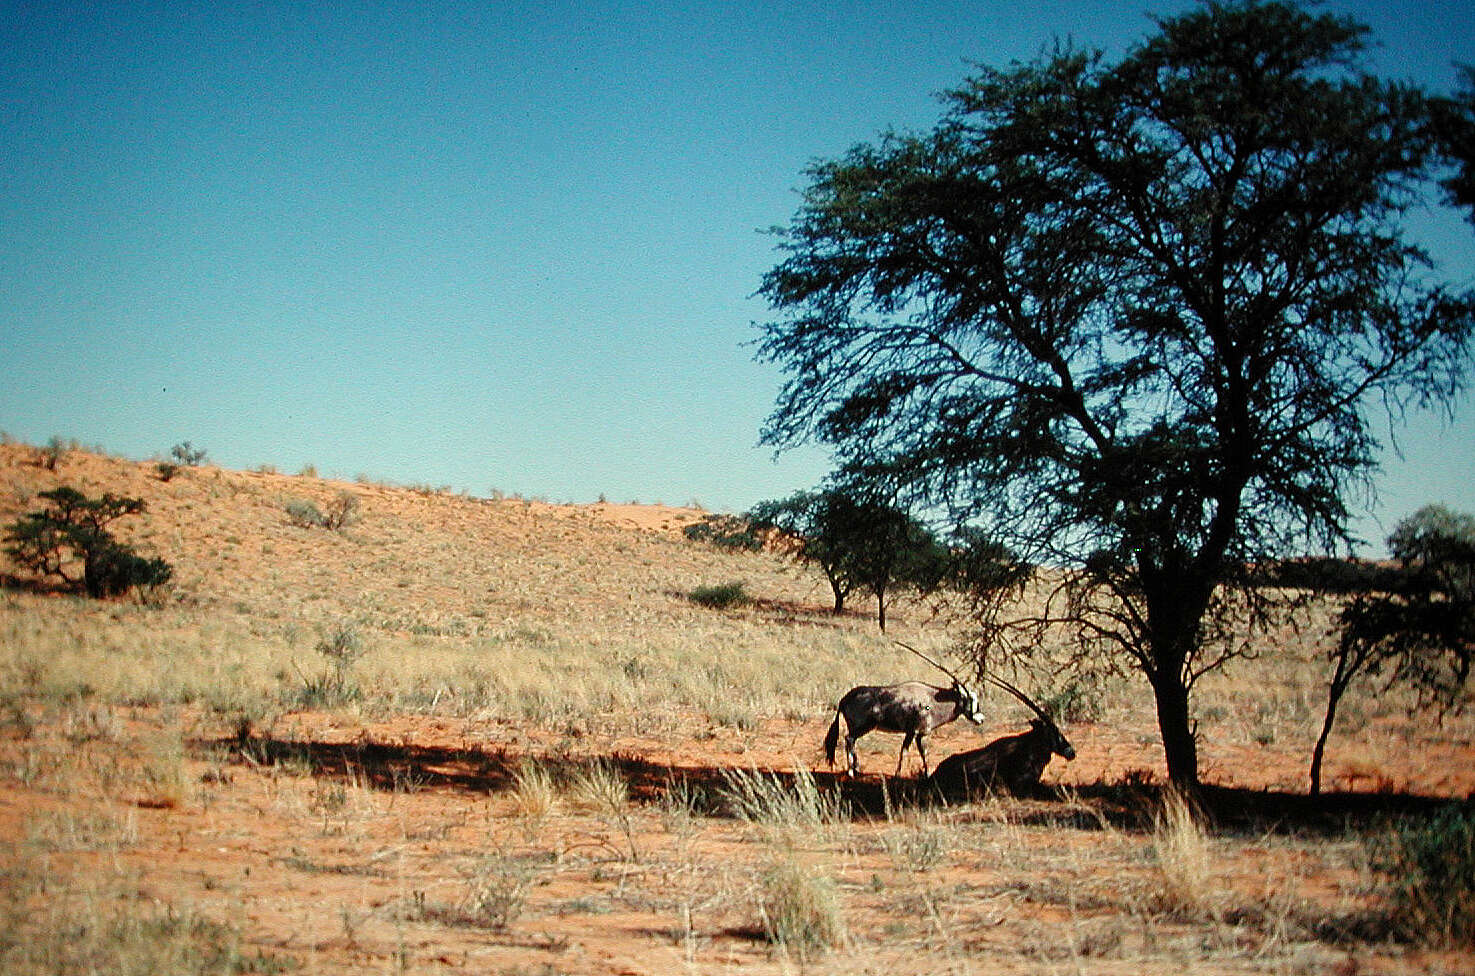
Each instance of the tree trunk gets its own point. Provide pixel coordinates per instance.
(1180, 747)
(1346, 668)
(1320, 748)
(839, 592)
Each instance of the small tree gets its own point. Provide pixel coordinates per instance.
(857, 542)
(1419, 631)
(73, 529)
(798, 518)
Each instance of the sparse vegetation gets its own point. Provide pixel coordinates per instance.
(799, 907)
(340, 513)
(341, 646)
(516, 730)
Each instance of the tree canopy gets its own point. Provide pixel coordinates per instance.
(1131, 319)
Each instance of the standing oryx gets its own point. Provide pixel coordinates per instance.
(1013, 763)
(912, 708)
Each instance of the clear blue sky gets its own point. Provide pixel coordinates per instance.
(496, 246)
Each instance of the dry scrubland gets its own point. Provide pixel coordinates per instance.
(540, 756)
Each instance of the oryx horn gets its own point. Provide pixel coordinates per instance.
(927, 659)
(1000, 682)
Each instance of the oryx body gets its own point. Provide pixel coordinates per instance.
(911, 708)
(1014, 762)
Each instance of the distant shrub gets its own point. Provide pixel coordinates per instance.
(342, 646)
(1330, 575)
(725, 532)
(166, 470)
(1082, 700)
(51, 456)
(187, 455)
(341, 512)
(304, 513)
(1431, 870)
(721, 596)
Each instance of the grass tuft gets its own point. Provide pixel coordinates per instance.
(799, 907)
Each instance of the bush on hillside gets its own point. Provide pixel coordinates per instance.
(72, 530)
(725, 532)
(341, 512)
(721, 596)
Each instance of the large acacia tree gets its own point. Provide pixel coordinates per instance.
(1133, 319)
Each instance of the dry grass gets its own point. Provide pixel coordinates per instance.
(1184, 859)
(553, 760)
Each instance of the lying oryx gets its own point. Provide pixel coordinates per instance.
(911, 708)
(1014, 763)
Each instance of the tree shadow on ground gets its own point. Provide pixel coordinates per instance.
(1125, 806)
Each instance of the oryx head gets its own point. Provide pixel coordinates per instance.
(968, 705)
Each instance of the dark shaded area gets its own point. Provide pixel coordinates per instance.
(1325, 574)
(1126, 806)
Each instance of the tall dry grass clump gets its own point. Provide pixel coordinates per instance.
(534, 792)
(783, 809)
(799, 907)
(1182, 857)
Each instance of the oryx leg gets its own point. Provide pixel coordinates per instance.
(921, 751)
(904, 743)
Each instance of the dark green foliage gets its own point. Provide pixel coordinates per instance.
(1420, 630)
(1455, 124)
(1431, 875)
(1329, 575)
(114, 569)
(725, 532)
(72, 530)
(187, 455)
(1129, 317)
(721, 596)
(305, 514)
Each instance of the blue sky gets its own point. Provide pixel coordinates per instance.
(505, 247)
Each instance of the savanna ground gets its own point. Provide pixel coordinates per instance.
(535, 753)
